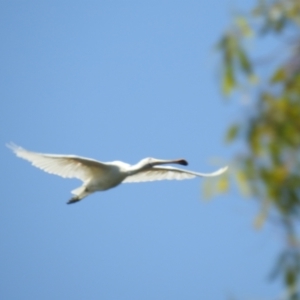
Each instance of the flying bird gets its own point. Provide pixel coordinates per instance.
(101, 176)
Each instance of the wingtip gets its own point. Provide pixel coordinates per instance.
(218, 172)
(223, 170)
(12, 146)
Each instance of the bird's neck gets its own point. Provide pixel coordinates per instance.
(137, 168)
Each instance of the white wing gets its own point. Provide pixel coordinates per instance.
(169, 173)
(67, 166)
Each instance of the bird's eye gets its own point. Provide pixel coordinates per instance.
(150, 162)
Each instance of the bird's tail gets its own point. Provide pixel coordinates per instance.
(79, 194)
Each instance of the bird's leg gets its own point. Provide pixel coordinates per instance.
(73, 200)
(79, 194)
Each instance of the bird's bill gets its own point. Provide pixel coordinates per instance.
(182, 162)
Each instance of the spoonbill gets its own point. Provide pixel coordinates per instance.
(101, 176)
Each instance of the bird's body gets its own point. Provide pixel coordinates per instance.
(100, 176)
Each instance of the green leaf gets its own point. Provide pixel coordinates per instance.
(279, 76)
(207, 189)
(253, 79)
(244, 61)
(232, 133)
(229, 82)
(290, 277)
(244, 27)
(243, 183)
(261, 218)
(223, 184)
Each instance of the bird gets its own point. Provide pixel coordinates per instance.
(101, 176)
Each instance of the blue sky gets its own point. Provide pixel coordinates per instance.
(121, 80)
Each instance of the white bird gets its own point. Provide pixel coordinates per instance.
(100, 176)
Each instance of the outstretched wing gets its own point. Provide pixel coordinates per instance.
(66, 166)
(169, 173)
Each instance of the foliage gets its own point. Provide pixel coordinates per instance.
(269, 166)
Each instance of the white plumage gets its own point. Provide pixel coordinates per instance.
(100, 176)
